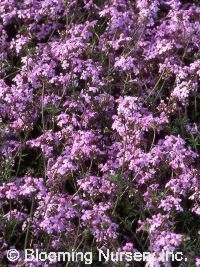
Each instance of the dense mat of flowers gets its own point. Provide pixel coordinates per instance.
(100, 127)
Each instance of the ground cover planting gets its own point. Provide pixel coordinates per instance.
(99, 133)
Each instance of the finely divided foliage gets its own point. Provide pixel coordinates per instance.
(100, 128)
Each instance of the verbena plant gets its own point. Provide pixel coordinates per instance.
(100, 129)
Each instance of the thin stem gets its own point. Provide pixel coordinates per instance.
(29, 223)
